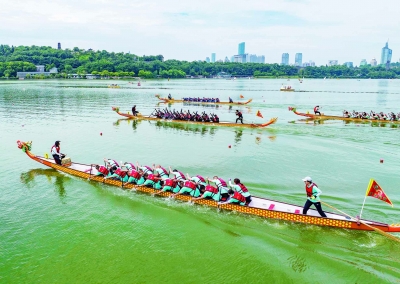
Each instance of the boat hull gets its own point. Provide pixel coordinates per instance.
(171, 101)
(223, 124)
(262, 207)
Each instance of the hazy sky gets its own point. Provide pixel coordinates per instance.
(346, 30)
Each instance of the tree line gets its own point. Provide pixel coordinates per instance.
(109, 64)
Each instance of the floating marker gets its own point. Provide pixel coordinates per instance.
(101, 133)
(229, 146)
(381, 161)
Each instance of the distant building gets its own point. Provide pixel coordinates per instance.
(213, 57)
(39, 71)
(241, 48)
(363, 62)
(261, 59)
(348, 64)
(298, 60)
(232, 58)
(333, 62)
(253, 58)
(220, 60)
(312, 63)
(373, 62)
(285, 58)
(226, 59)
(59, 45)
(386, 55)
(239, 59)
(208, 59)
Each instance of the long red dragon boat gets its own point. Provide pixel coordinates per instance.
(333, 117)
(171, 101)
(262, 207)
(221, 123)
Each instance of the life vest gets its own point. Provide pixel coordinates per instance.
(212, 189)
(170, 182)
(57, 149)
(222, 183)
(150, 177)
(310, 189)
(103, 170)
(181, 175)
(130, 166)
(239, 196)
(113, 163)
(148, 169)
(134, 174)
(165, 172)
(190, 184)
(120, 172)
(315, 109)
(242, 187)
(201, 178)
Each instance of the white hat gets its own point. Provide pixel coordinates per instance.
(307, 179)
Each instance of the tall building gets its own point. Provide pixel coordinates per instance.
(285, 58)
(208, 59)
(298, 60)
(213, 57)
(261, 59)
(363, 62)
(348, 64)
(386, 55)
(241, 48)
(333, 62)
(59, 45)
(226, 59)
(232, 58)
(373, 62)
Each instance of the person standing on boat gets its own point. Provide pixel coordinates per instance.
(230, 100)
(55, 151)
(169, 97)
(241, 188)
(240, 116)
(134, 111)
(316, 110)
(313, 193)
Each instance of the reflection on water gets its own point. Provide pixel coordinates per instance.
(28, 179)
(134, 122)
(202, 129)
(238, 135)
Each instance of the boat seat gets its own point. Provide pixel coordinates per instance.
(271, 207)
(297, 211)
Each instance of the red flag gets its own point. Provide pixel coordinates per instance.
(376, 191)
(259, 114)
(241, 96)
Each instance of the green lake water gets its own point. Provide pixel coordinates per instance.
(56, 228)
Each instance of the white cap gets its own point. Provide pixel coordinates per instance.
(307, 179)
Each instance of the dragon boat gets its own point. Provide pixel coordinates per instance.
(171, 101)
(262, 207)
(221, 123)
(282, 89)
(333, 117)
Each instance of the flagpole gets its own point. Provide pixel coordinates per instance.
(366, 194)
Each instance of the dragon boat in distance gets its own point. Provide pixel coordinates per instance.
(221, 123)
(262, 207)
(171, 101)
(333, 117)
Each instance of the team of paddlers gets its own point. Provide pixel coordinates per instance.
(185, 115)
(202, 100)
(174, 181)
(372, 115)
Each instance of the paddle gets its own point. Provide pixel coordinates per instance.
(362, 222)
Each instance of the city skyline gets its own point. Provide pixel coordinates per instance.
(188, 31)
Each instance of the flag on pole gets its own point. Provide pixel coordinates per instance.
(259, 114)
(241, 96)
(376, 191)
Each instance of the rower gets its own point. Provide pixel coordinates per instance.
(134, 111)
(210, 192)
(313, 193)
(144, 169)
(169, 185)
(316, 110)
(152, 180)
(135, 177)
(222, 187)
(236, 198)
(163, 173)
(129, 166)
(241, 188)
(239, 116)
(55, 151)
(119, 174)
(189, 187)
(111, 164)
(101, 171)
(199, 180)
